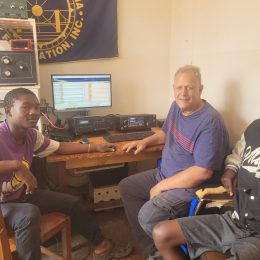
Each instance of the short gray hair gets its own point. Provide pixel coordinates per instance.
(186, 68)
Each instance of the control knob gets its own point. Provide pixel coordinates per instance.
(8, 73)
(6, 60)
(21, 66)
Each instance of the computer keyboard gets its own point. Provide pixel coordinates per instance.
(129, 136)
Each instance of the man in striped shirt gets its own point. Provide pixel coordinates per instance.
(195, 144)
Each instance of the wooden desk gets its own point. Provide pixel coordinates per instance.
(73, 161)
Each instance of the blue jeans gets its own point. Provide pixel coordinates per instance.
(143, 213)
(23, 219)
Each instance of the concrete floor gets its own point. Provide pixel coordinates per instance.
(114, 225)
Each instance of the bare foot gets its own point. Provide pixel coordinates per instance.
(103, 246)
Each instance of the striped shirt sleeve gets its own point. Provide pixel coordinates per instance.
(44, 146)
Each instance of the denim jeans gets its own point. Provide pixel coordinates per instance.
(143, 213)
(23, 218)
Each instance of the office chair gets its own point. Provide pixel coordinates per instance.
(51, 224)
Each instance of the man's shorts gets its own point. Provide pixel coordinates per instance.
(219, 233)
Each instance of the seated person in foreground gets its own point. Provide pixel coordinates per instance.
(196, 143)
(237, 232)
(21, 201)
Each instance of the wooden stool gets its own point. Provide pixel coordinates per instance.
(51, 224)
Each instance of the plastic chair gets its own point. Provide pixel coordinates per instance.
(192, 208)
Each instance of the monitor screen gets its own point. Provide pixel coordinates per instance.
(80, 92)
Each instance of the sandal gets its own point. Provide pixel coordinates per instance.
(115, 252)
(121, 250)
(103, 256)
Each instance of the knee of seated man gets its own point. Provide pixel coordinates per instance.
(146, 218)
(69, 202)
(124, 186)
(75, 205)
(167, 233)
(72, 200)
(160, 232)
(29, 216)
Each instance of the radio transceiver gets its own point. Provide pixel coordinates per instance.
(89, 124)
(135, 122)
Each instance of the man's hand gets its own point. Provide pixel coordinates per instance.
(137, 145)
(24, 175)
(155, 190)
(229, 181)
(106, 147)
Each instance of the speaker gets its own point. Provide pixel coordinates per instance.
(17, 68)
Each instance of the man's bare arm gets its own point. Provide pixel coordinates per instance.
(71, 148)
(158, 138)
(22, 173)
(229, 181)
(189, 178)
(9, 166)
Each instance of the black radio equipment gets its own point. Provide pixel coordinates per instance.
(90, 124)
(17, 68)
(135, 122)
(13, 9)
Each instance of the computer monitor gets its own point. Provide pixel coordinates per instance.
(81, 92)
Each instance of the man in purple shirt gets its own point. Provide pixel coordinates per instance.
(21, 200)
(196, 143)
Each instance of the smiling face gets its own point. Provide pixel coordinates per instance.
(24, 112)
(187, 91)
